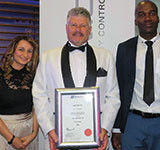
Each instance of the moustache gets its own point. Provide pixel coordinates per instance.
(78, 33)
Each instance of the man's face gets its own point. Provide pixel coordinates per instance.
(147, 19)
(78, 30)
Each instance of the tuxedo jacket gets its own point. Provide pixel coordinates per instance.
(49, 77)
(126, 70)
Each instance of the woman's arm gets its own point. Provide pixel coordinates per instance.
(5, 132)
(28, 139)
(35, 124)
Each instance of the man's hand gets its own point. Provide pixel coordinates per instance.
(53, 139)
(104, 139)
(116, 141)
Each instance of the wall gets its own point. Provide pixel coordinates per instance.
(114, 18)
(18, 18)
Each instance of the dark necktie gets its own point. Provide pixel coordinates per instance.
(81, 48)
(148, 95)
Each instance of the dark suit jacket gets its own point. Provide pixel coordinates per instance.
(126, 68)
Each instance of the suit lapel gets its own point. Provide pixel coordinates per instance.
(65, 67)
(132, 59)
(90, 79)
(131, 68)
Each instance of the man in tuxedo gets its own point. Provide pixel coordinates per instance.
(76, 64)
(138, 71)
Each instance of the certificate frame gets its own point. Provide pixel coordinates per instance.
(77, 117)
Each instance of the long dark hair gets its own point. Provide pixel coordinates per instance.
(7, 58)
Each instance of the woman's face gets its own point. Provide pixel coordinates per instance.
(22, 54)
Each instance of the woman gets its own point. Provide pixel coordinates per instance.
(18, 124)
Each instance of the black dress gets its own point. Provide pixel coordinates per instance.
(15, 92)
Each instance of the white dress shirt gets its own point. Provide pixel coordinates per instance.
(78, 58)
(137, 100)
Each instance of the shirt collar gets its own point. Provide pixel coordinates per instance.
(77, 46)
(154, 39)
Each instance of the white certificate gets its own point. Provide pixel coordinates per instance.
(77, 117)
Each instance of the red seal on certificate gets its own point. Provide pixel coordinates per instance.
(88, 132)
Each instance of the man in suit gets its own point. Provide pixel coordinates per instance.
(138, 71)
(65, 67)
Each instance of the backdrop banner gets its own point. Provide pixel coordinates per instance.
(112, 22)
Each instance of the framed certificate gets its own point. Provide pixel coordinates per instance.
(77, 117)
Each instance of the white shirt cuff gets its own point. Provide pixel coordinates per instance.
(116, 130)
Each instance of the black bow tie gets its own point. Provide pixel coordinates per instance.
(81, 48)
